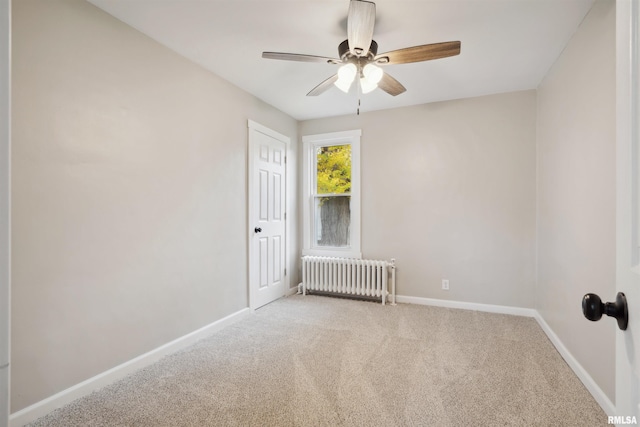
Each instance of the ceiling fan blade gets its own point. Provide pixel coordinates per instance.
(324, 86)
(360, 23)
(423, 52)
(299, 57)
(391, 85)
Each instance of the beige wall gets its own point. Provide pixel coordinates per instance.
(576, 192)
(129, 195)
(448, 189)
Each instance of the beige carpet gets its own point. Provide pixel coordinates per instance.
(319, 361)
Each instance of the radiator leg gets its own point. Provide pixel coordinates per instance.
(304, 277)
(393, 281)
(384, 272)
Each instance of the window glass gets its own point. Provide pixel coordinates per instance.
(333, 170)
(333, 221)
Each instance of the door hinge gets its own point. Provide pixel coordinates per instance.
(285, 159)
(285, 216)
(285, 271)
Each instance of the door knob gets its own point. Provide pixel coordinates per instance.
(593, 308)
(257, 229)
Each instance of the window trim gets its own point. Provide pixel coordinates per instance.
(310, 143)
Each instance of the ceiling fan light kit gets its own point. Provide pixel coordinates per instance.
(359, 55)
(370, 76)
(346, 75)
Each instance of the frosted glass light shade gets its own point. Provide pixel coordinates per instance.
(366, 85)
(346, 75)
(372, 73)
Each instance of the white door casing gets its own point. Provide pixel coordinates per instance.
(267, 228)
(5, 208)
(628, 208)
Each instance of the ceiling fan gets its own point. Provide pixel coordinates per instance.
(359, 55)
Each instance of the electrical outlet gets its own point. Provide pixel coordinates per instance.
(445, 284)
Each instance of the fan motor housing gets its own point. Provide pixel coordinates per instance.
(344, 53)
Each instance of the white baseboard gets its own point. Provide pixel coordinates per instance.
(42, 408)
(489, 308)
(291, 291)
(607, 406)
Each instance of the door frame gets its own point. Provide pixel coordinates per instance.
(251, 220)
(5, 210)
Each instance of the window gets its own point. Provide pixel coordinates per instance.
(332, 194)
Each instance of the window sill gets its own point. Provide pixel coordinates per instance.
(333, 252)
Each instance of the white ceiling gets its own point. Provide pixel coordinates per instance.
(507, 45)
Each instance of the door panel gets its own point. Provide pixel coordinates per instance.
(277, 259)
(264, 195)
(263, 259)
(267, 224)
(277, 197)
(627, 209)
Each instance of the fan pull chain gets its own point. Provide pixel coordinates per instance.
(359, 89)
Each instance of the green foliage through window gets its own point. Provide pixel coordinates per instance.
(334, 169)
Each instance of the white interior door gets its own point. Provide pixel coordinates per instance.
(628, 210)
(267, 215)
